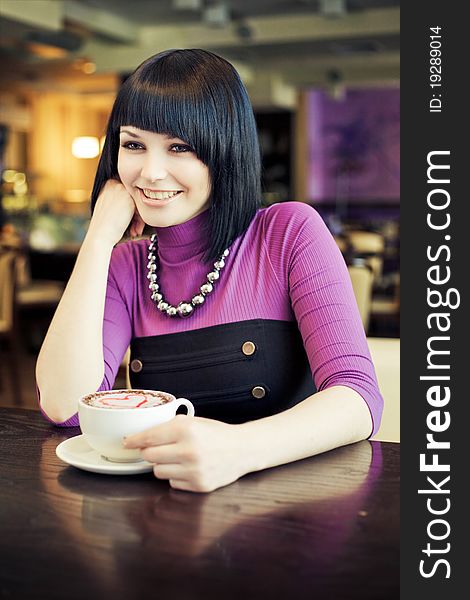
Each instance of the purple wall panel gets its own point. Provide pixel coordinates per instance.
(354, 146)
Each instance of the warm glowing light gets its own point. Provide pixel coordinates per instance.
(46, 51)
(102, 141)
(88, 68)
(20, 188)
(19, 178)
(9, 175)
(85, 147)
(75, 196)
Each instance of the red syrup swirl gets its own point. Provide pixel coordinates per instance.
(126, 401)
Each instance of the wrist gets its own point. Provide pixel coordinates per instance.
(97, 241)
(249, 447)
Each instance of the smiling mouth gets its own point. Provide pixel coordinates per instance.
(159, 195)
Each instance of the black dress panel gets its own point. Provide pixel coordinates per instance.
(234, 372)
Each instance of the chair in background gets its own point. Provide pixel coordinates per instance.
(32, 293)
(8, 329)
(35, 299)
(385, 311)
(370, 247)
(362, 279)
(385, 353)
(342, 243)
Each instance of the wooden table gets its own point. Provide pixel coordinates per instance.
(324, 527)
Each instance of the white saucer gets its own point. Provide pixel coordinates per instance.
(76, 452)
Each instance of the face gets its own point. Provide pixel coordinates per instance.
(167, 181)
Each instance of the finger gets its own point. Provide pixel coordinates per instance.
(165, 433)
(166, 454)
(134, 227)
(139, 224)
(180, 484)
(169, 471)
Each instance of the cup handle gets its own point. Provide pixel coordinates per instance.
(187, 403)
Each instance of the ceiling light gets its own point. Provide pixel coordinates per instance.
(45, 51)
(85, 147)
(89, 67)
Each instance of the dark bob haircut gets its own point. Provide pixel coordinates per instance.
(198, 97)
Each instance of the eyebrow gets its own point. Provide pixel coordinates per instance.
(136, 135)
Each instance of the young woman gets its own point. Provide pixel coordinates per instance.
(247, 311)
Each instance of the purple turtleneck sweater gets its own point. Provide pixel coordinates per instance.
(285, 267)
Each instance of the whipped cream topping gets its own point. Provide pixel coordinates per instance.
(125, 399)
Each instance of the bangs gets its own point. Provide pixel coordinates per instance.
(162, 102)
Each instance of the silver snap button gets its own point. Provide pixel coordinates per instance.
(258, 392)
(136, 365)
(248, 348)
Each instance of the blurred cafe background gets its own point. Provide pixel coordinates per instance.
(323, 77)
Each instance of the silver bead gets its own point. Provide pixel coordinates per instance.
(162, 305)
(226, 252)
(154, 286)
(206, 288)
(184, 309)
(213, 276)
(171, 311)
(152, 267)
(156, 297)
(197, 300)
(220, 264)
(153, 237)
(152, 276)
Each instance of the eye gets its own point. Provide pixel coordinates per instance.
(132, 146)
(180, 148)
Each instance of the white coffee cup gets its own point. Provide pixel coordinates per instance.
(105, 427)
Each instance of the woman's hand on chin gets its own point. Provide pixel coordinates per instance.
(114, 211)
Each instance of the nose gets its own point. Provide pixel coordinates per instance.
(154, 168)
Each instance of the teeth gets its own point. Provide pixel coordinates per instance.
(160, 195)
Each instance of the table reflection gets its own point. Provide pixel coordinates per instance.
(300, 514)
